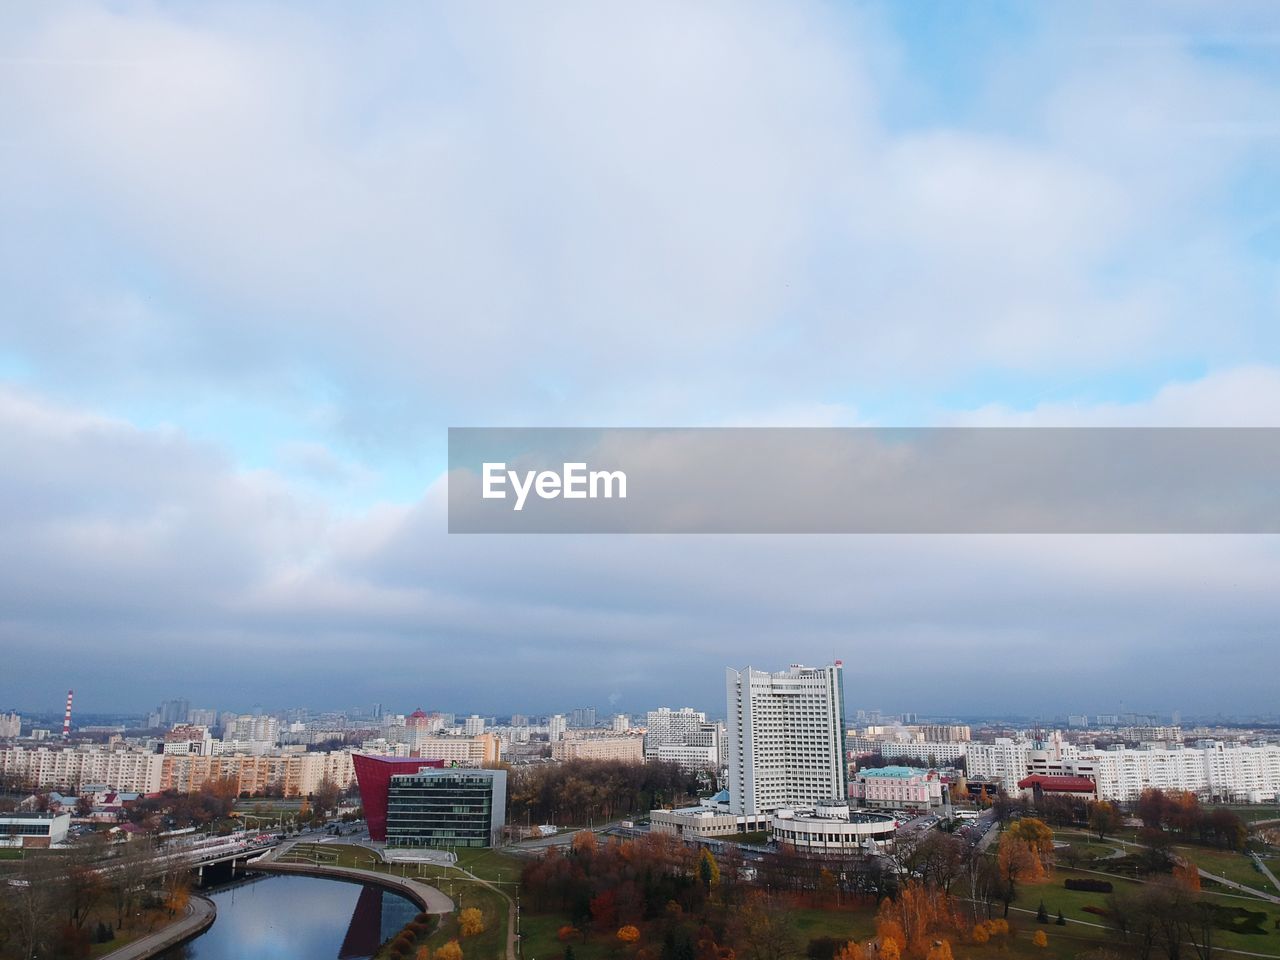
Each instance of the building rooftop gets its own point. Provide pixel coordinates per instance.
(1058, 784)
(900, 773)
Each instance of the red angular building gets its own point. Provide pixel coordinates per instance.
(373, 774)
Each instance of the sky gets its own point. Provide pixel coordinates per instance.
(255, 259)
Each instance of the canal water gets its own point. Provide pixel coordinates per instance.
(298, 918)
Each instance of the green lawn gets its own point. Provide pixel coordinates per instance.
(841, 924)
(1225, 863)
(489, 945)
(1087, 850)
(10, 853)
(540, 939)
(1072, 902)
(1254, 812)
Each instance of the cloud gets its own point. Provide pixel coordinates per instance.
(721, 212)
(1246, 396)
(307, 244)
(176, 570)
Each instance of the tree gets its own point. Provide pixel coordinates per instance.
(1061, 921)
(326, 796)
(450, 951)
(916, 917)
(128, 876)
(826, 885)
(1104, 819)
(889, 950)
(1152, 808)
(1016, 861)
(940, 950)
(29, 908)
(471, 922)
(1025, 853)
(1041, 939)
(82, 889)
(177, 889)
(84, 805)
(766, 929)
(628, 934)
(1188, 875)
(708, 870)
(1042, 914)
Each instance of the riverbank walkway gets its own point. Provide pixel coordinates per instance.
(427, 897)
(198, 915)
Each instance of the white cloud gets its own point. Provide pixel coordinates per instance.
(614, 215)
(1238, 397)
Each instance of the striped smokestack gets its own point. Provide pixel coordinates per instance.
(66, 720)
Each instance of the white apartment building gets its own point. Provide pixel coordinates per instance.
(627, 748)
(469, 751)
(129, 771)
(665, 725)
(473, 726)
(785, 738)
(682, 736)
(938, 752)
(556, 726)
(1008, 760)
(1212, 769)
(10, 726)
(249, 727)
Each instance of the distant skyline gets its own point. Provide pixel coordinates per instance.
(256, 261)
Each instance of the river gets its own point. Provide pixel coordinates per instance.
(281, 917)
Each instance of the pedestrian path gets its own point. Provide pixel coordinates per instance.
(198, 915)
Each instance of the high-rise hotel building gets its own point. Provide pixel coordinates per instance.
(785, 743)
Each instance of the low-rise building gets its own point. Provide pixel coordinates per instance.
(707, 821)
(1038, 786)
(897, 788)
(33, 829)
(833, 828)
(626, 748)
(447, 808)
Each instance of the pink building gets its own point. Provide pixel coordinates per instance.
(896, 788)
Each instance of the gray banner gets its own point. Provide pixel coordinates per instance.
(864, 480)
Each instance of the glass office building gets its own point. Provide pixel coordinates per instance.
(447, 808)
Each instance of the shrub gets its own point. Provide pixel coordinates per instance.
(1088, 884)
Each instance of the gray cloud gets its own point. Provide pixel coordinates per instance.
(172, 572)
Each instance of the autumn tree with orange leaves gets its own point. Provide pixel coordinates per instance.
(916, 918)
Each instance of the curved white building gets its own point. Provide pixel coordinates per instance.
(833, 827)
